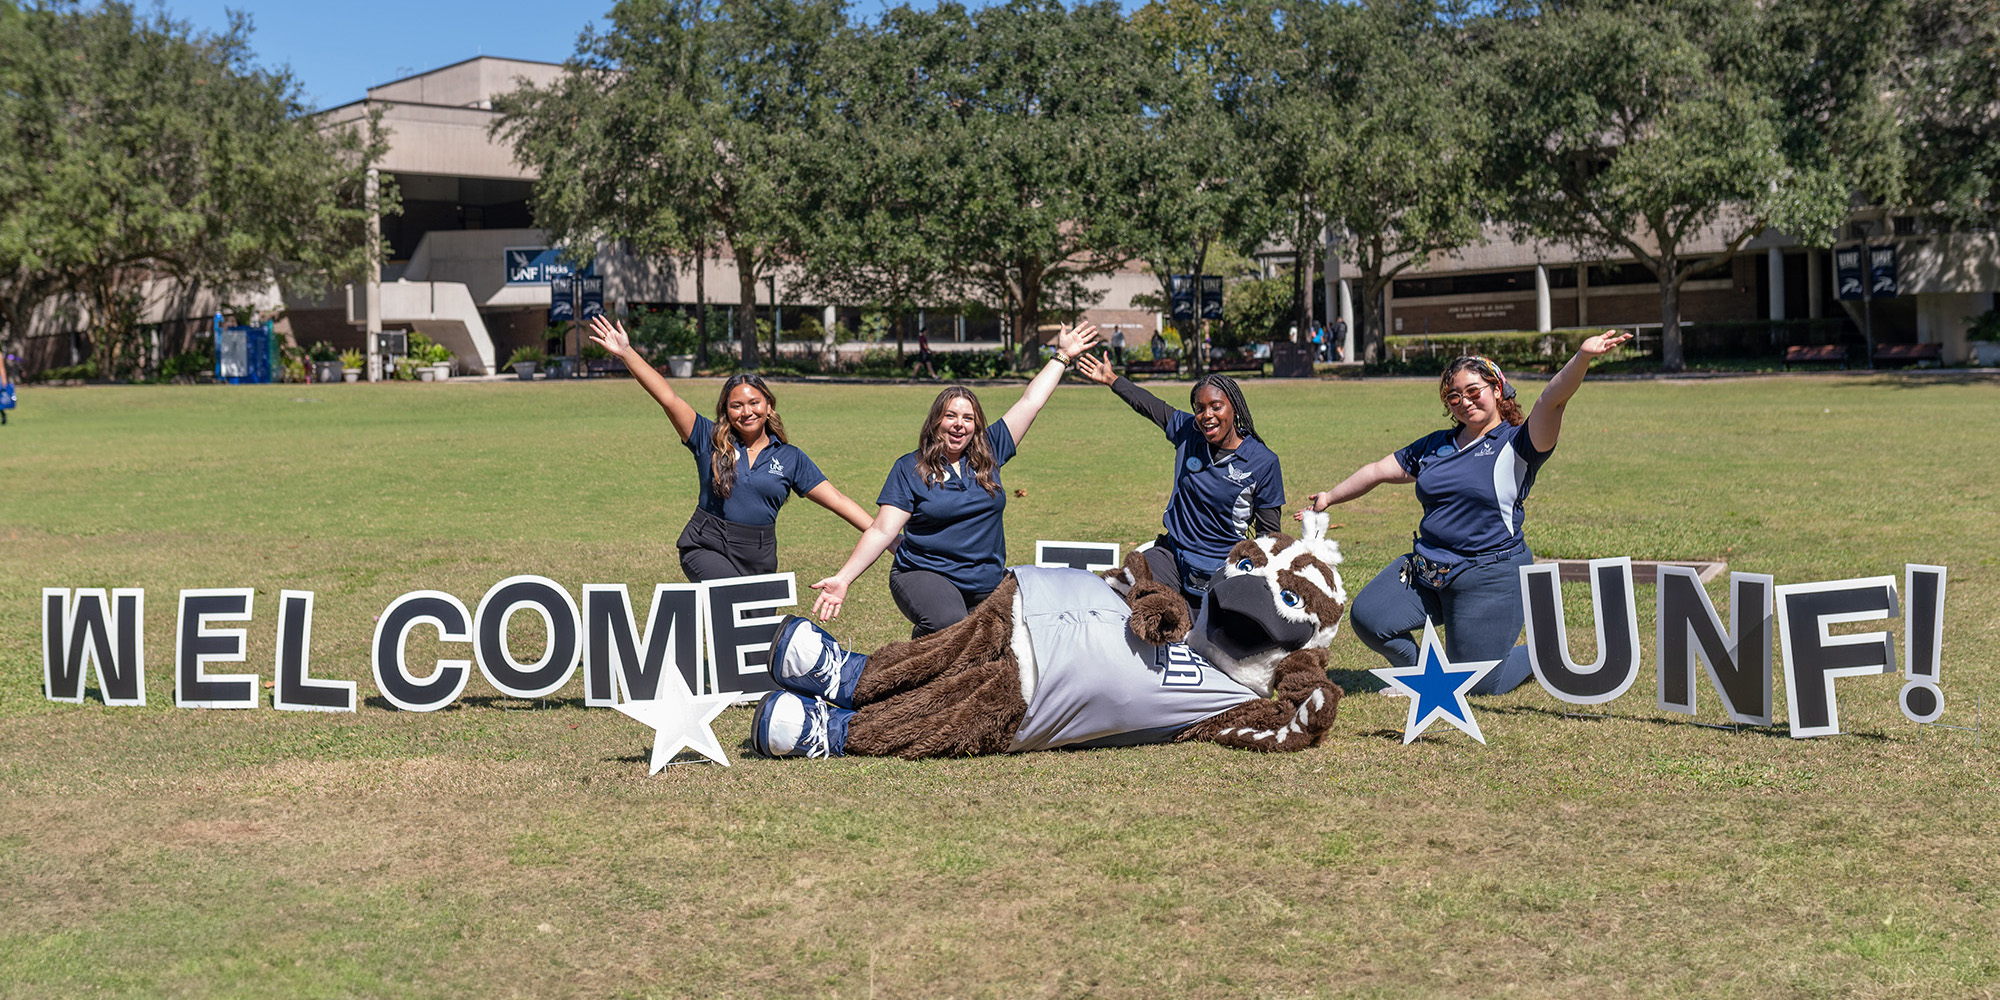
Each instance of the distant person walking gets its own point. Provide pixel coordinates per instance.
(923, 357)
(6, 387)
(1118, 344)
(1159, 346)
(1338, 348)
(747, 469)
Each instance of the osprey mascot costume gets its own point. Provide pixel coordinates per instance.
(1065, 658)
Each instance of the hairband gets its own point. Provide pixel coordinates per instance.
(1506, 387)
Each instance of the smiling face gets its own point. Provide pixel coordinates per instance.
(1215, 418)
(956, 424)
(1472, 401)
(748, 412)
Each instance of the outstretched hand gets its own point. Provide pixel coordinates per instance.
(1074, 340)
(1315, 503)
(1096, 368)
(1603, 343)
(610, 335)
(832, 593)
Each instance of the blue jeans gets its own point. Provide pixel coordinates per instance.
(1479, 612)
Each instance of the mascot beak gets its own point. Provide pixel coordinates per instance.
(1243, 619)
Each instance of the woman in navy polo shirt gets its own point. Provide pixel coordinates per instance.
(1227, 484)
(747, 468)
(1473, 481)
(946, 500)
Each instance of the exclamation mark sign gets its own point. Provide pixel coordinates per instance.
(1923, 641)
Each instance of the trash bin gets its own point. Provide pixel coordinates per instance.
(1290, 360)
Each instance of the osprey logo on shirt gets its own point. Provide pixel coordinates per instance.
(777, 469)
(1237, 475)
(1485, 448)
(1179, 665)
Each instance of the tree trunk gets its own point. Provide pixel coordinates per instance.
(701, 304)
(1374, 325)
(1670, 314)
(1301, 265)
(746, 290)
(1028, 322)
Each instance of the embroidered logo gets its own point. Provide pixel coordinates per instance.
(1179, 665)
(1485, 448)
(1238, 474)
(777, 469)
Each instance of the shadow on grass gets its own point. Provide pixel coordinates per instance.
(1556, 713)
(1927, 377)
(1356, 681)
(496, 702)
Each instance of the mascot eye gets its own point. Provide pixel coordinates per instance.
(1291, 600)
(1244, 565)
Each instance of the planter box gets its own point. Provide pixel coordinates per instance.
(524, 370)
(443, 371)
(350, 374)
(426, 373)
(681, 365)
(326, 371)
(1986, 353)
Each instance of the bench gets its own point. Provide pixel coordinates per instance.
(1899, 355)
(601, 367)
(1158, 366)
(1237, 365)
(1821, 354)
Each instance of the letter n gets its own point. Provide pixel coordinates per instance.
(1738, 661)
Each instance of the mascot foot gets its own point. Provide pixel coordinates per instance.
(790, 726)
(806, 658)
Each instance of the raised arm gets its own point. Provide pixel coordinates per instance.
(832, 499)
(1383, 470)
(877, 539)
(1098, 369)
(1545, 421)
(611, 336)
(1072, 341)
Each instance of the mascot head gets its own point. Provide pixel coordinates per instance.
(1273, 596)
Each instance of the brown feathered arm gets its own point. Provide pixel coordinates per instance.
(1301, 709)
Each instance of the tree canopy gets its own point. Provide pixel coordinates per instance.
(133, 148)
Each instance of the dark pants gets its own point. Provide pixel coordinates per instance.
(1479, 612)
(931, 601)
(715, 549)
(1166, 570)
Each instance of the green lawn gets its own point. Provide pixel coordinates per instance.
(507, 848)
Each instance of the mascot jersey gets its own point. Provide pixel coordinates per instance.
(1095, 684)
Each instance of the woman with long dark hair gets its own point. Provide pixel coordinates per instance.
(748, 468)
(1462, 571)
(946, 501)
(1227, 485)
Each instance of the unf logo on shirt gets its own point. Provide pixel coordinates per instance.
(777, 469)
(1238, 474)
(1179, 665)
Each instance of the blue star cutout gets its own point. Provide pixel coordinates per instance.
(1437, 691)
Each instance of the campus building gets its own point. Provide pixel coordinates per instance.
(465, 206)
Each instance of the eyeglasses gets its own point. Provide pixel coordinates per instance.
(1473, 394)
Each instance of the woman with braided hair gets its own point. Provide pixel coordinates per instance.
(1473, 480)
(748, 469)
(1227, 485)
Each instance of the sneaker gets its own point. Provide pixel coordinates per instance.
(806, 658)
(790, 726)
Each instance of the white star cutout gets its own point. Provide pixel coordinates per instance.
(681, 720)
(1437, 687)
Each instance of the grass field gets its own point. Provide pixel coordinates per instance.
(504, 848)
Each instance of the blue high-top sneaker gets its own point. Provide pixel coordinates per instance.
(790, 726)
(806, 659)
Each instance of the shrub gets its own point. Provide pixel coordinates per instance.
(187, 365)
(322, 351)
(657, 332)
(521, 354)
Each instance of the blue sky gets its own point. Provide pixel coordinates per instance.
(338, 50)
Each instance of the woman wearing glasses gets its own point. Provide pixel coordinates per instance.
(1473, 480)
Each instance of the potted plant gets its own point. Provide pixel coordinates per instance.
(433, 360)
(525, 360)
(350, 365)
(1982, 334)
(326, 366)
